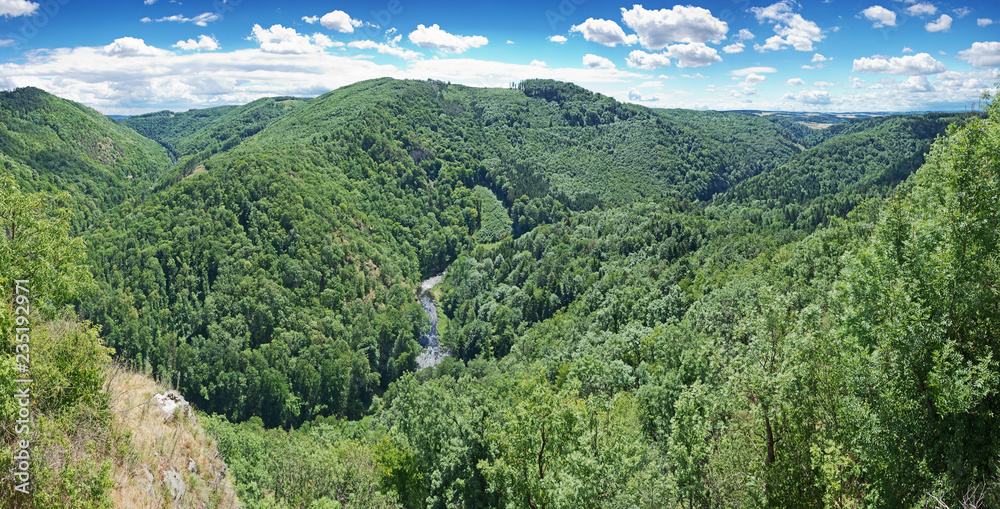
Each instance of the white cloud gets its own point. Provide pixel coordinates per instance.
(434, 37)
(154, 80)
(635, 95)
(538, 63)
(14, 8)
(744, 34)
(510, 41)
(962, 12)
(910, 65)
(943, 24)
(746, 71)
(312, 20)
(982, 54)
(639, 59)
(814, 97)
(146, 19)
(149, 2)
(658, 28)
(6, 42)
(132, 47)
(791, 28)
(603, 31)
(386, 49)
(922, 9)
(880, 16)
(795, 82)
(201, 20)
(823, 84)
(597, 62)
(983, 22)
(204, 42)
(917, 84)
(287, 41)
(907, 49)
(857, 82)
(753, 79)
(971, 82)
(339, 21)
(558, 38)
(736, 47)
(819, 58)
(694, 54)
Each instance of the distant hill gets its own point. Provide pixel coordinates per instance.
(52, 144)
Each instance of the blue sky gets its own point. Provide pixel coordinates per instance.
(147, 55)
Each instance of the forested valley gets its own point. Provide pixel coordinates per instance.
(643, 307)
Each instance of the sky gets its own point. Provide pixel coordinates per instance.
(136, 56)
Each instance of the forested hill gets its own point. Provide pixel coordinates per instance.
(51, 144)
(645, 308)
(193, 136)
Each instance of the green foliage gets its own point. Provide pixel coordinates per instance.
(53, 145)
(618, 339)
(496, 223)
(308, 468)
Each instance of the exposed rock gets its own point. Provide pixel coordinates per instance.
(175, 484)
(172, 404)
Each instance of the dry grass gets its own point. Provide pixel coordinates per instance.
(160, 444)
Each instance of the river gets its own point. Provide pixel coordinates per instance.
(433, 353)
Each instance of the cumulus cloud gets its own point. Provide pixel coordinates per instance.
(658, 28)
(14, 8)
(385, 49)
(744, 34)
(746, 71)
(538, 63)
(694, 54)
(795, 82)
(907, 49)
(753, 79)
(204, 43)
(639, 59)
(597, 62)
(982, 54)
(603, 31)
(880, 16)
(736, 47)
(921, 9)
(635, 95)
(339, 21)
(558, 38)
(201, 20)
(312, 20)
(823, 84)
(917, 84)
(910, 65)
(815, 97)
(943, 24)
(287, 41)
(962, 12)
(984, 22)
(791, 28)
(132, 47)
(434, 37)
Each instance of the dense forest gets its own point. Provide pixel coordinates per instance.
(644, 308)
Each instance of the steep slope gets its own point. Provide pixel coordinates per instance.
(64, 146)
(846, 164)
(193, 136)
